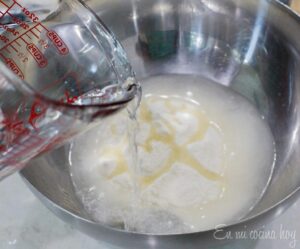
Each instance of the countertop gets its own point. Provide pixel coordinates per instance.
(26, 224)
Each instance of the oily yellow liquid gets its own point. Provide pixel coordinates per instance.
(179, 153)
(177, 171)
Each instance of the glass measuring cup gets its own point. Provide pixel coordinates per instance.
(59, 72)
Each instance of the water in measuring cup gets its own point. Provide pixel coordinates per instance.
(205, 157)
(65, 63)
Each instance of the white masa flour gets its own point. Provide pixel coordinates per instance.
(205, 157)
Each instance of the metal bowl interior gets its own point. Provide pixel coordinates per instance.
(250, 46)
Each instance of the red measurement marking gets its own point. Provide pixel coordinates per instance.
(10, 30)
(68, 96)
(34, 34)
(18, 38)
(58, 42)
(4, 3)
(19, 22)
(23, 57)
(8, 9)
(2, 147)
(37, 55)
(4, 38)
(70, 99)
(13, 67)
(44, 27)
(14, 48)
(24, 40)
(37, 111)
(38, 29)
(44, 43)
(17, 3)
(28, 36)
(31, 15)
(18, 43)
(15, 125)
(16, 130)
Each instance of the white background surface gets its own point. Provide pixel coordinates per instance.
(26, 224)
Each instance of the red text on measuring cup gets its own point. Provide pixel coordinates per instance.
(58, 42)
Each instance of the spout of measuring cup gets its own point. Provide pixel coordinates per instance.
(131, 92)
(99, 103)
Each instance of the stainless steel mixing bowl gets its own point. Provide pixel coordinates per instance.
(251, 46)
